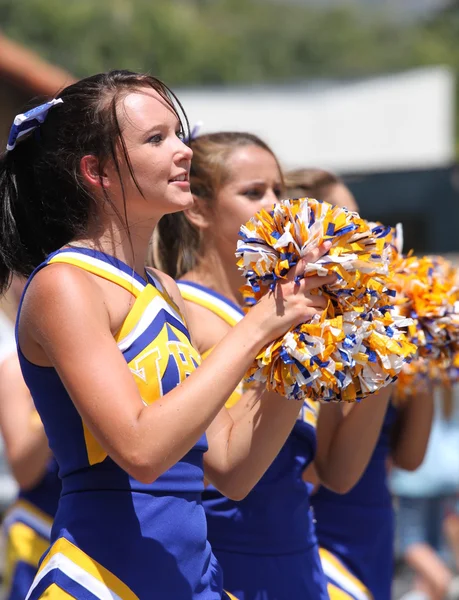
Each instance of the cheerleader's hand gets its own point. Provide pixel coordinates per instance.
(293, 301)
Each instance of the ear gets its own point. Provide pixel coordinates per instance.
(91, 172)
(199, 214)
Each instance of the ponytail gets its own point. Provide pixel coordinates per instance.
(175, 245)
(28, 232)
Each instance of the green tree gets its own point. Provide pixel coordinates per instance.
(195, 42)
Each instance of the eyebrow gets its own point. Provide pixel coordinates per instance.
(160, 126)
(259, 182)
(153, 129)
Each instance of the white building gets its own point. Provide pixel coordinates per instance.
(392, 122)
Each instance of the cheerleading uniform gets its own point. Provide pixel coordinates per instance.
(266, 543)
(356, 530)
(27, 528)
(113, 536)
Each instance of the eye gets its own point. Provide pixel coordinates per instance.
(180, 134)
(155, 139)
(254, 193)
(277, 192)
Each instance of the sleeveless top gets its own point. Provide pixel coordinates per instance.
(115, 507)
(44, 497)
(274, 518)
(156, 345)
(45, 494)
(357, 527)
(27, 527)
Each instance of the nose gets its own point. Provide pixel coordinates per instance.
(184, 151)
(271, 197)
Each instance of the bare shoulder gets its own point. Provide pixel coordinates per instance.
(61, 301)
(208, 329)
(59, 287)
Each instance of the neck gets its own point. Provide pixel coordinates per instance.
(218, 274)
(127, 244)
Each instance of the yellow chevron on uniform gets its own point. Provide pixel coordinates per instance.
(309, 412)
(340, 580)
(54, 592)
(66, 557)
(221, 307)
(148, 304)
(337, 593)
(212, 301)
(30, 514)
(25, 545)
(99, 267)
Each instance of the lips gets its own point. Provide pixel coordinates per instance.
(180, 178)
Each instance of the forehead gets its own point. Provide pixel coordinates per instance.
(252, 162)
(340, 195)
(143, 109)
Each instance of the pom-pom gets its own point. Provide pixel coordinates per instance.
(356, 346)
(427, 291)
(420, 373)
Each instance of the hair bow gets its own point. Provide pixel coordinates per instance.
(28, 121)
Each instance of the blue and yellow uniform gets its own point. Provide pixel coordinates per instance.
(113, 536)
(27, 527)
(266, 543)
(356, 530)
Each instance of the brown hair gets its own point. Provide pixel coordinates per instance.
(43, 201)
(176, 243)
(311, 183)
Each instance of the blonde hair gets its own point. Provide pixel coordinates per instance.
(312, 183)
(176, 243)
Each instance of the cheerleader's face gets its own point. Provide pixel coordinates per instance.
(158, 158)
(339, 195)
(254, 182)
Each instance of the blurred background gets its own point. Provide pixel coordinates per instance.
(364, 88)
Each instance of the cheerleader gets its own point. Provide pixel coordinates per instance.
(356, 530)
(27, 523)
(130, 416)
(266, 546)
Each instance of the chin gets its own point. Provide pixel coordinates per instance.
(181, 203)
(169, 203)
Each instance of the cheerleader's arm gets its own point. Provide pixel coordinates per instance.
(25, 441)
(412, 429)
(346, 438)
